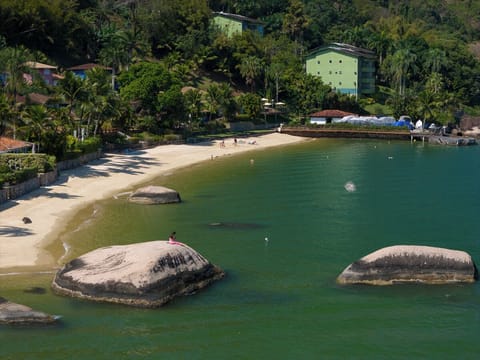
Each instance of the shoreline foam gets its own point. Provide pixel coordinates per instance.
(23, 246)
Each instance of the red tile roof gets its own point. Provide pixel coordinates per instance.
(8, 144)
(331, 114)
(38, 65)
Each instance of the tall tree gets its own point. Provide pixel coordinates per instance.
(295, 21)
(114, 52)
(13, 64)
(436, 60)
(70, 87)
(193, 102)
(399, 67)
(250, 68)
(36, 123)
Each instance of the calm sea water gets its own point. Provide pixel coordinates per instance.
(283, 228)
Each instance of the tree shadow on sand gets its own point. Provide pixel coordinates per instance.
(46, 192)
(14, 231)
(122, 164)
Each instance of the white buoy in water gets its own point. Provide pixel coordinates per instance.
(350, 186)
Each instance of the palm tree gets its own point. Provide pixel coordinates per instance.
(5, 114)
(114, 52)
(250, 68)
(96, 107)
(37, 122)
(399, 67)
(295, 21)
(70, 87)
(381, 43)
(12, 62)
(227, 103)
(213, 98)
(436, 59)
(435, 83)
(193, 99)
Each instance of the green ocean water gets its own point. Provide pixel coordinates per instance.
(283, 228)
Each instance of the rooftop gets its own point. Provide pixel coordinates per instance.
(238, 17)
(38, 65)
(331, 113)
(8, 144)
(345, 49)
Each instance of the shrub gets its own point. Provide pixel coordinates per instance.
(89, 145)
(16, 168)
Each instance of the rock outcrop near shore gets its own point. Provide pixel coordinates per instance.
(15, 314)
(411, 264)
(147, 274)
(152, 195)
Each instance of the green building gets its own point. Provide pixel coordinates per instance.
(232, 23)
(346, 68)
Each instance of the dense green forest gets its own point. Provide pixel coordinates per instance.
(175, 73)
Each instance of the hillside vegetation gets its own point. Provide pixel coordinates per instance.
(176, 73)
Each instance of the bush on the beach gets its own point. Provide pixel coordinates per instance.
(17, 168)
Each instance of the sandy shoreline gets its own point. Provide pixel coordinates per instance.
(23, 245)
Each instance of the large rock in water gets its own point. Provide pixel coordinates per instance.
(11, 313)
(154, 195)
(145, 275)
(407, 263)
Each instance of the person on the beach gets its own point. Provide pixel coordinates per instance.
(172, 239)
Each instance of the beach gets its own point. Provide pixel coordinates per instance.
(23, 246)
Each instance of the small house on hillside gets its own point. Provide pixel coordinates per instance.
(233, 23)
(33, 99)
(45, 71)
(345, 68)
(80, 70)
(8, 145)
(328, 116)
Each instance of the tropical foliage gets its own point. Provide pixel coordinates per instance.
(168, 70)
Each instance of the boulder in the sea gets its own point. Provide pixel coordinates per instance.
(411, 264)
(146, 274)
(12, 313)
(154, 195)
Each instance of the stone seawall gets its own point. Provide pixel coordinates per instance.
(15, 191)
(10, 192)
(345, 133)
(81, 160)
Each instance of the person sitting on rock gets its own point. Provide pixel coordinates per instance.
(172, 239)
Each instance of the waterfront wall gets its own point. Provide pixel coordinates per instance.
(10, 192)
(345, 133)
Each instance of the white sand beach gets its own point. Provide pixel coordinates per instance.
(49, 208)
